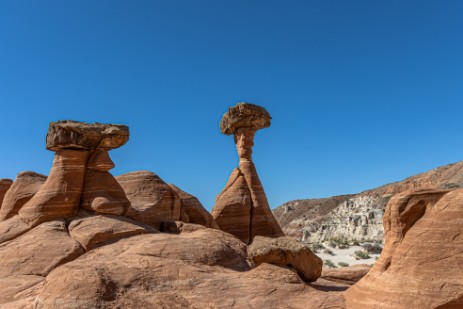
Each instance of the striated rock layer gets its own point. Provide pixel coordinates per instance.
(21, 191)
(152, 201)
(422, 261)
(288, 252)
(203, 269)
(59, 196)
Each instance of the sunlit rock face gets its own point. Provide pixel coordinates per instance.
(420, 266)
(242, 208)
(359, 218)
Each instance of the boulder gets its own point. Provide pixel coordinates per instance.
(244, 115)
(420, 265)
(21, 191)
(69, 134)
(286, 251)
(94, 231)
(152, 200)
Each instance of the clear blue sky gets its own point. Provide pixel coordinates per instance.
(362, 93)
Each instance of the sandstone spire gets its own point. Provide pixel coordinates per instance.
(241, 208)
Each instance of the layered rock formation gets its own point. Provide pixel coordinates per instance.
(80, 242)
(192, 210)
(152, 201)
(357, 217)
(21, 191)
(288, 252)
(347, 275)
(421, 264)
(203, 269)
(242, 208)
(93, 239)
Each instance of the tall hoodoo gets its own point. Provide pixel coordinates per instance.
(242, 208)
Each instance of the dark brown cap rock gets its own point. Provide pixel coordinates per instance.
(244, 115)
(69, 134)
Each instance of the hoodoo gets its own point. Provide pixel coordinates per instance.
(242, 208)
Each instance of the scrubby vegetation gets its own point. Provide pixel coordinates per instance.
(372, 248)
(342, 264)
(361, 255)
(328, 251)
(330, 264)
(316, 247)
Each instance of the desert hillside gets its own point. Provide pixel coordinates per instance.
(357, 217)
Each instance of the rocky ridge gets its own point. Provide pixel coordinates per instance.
(357, 217)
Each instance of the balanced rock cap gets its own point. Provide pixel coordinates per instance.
(70, 134)
(244, 115)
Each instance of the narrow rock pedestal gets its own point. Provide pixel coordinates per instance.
(242, 208)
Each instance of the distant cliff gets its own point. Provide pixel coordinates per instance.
(357, 216)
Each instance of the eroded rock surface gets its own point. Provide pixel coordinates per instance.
(286, 251)
(192, 211)
(69, 134)
(21, 191)
(93, 231)
(420, 266)
(170, 271)
(102, 193)
(59, 197)
(347, 275)
(38, 251)
(242, 208)
(152, 200)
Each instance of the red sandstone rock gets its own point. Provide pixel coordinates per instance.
(286, 251)
(13, 285)
(193, 210)
(232, 209)
(39, 251)
(22, 190)
(152, 200)
(421, 263)
(87, 136)
(70, 182)
(178, 271)
(197, 268)
(59, 196)
(5, 184)
(348, 275)
(97, 230)
(102, 193)
(242, 208)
